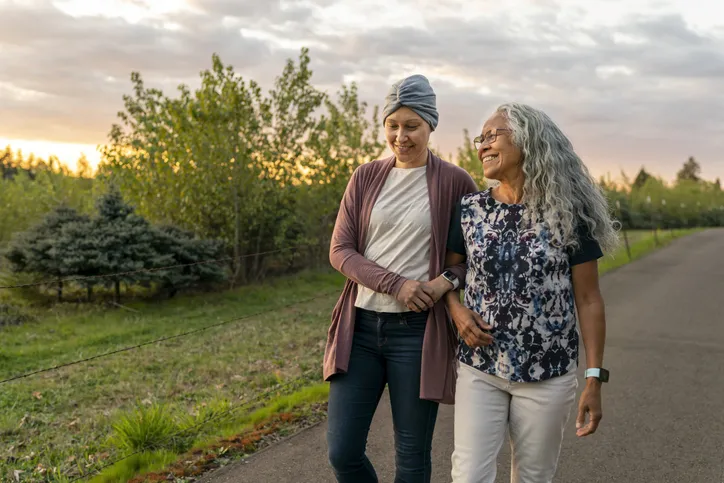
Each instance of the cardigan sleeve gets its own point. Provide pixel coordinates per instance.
(467, 186)
(343, 251)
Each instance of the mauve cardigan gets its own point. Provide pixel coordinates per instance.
(446, 183)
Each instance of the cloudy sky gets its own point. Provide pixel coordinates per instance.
(633, 82)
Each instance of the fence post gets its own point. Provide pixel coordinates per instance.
(686, 218)
(653, 220)
(623, 228)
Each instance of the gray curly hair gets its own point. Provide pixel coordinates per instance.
(558, 189)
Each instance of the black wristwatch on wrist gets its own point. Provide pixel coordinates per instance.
(452, 278)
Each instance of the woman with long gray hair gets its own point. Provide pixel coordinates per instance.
(531, 243)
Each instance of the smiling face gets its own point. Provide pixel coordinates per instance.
(502, 160)
(407, 135)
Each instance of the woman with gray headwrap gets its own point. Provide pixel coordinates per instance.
(531, 243)
(390, 327)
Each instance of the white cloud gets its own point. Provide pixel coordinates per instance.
(608, 71)
(132, 11)
(8, 90)
(279, 41)
(627, 39)
(351, 16)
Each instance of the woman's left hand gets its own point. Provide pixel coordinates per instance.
(589, 404)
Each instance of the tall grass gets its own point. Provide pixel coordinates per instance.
(148, 428)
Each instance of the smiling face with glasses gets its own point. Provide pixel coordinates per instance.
(501, 158)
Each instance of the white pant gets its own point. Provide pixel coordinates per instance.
(535, 413)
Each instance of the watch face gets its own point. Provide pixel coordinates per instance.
(604, 375)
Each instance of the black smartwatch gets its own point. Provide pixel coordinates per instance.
(452, 278)
(598, 372)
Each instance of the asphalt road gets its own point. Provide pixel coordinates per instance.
(663, 409)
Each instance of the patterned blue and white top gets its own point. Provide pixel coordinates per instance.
(521, 284)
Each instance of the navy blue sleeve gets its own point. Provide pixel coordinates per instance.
(588, 248)
(455, 238)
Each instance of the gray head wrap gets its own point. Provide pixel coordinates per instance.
(416, 93)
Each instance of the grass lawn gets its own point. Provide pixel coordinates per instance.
(58, 425)
(62, 419)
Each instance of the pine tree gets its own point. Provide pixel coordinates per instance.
(690, 171)
(115, 242)
(41, 249)
(186, 249)
(125, 242)
(79, 246)
(641, 178)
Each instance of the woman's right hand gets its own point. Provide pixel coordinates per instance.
(416, 296)
(470, 325)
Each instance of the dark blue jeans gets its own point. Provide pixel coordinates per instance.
(386, 350)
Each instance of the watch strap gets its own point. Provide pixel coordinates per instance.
(597, 372)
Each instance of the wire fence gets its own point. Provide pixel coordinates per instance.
(167, 338)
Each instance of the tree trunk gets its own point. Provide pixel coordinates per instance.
(237, 239)
(118, 291)
(655, 228)
(256, 267)
(89, 291)
(60, 290)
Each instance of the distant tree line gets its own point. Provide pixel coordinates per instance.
(648, 202)
(30, 187)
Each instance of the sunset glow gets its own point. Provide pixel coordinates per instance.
(67, 153)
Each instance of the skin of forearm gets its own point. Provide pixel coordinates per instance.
(452, 297)
(592, 321)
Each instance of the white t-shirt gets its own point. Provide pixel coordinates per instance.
(398, 237)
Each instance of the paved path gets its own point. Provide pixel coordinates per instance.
(663, 409)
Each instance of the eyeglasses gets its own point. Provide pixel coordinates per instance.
(488, 138)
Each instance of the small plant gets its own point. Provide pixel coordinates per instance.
(215, 412)
(149, 428)
(206, 417)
